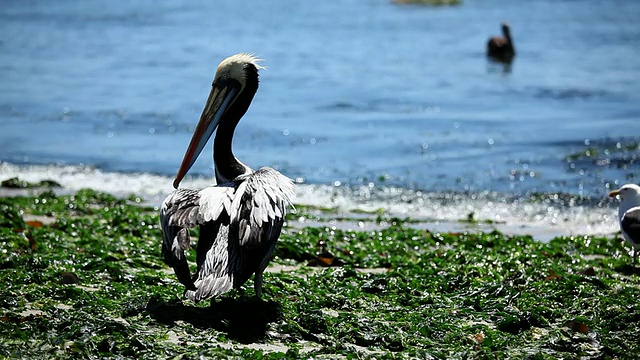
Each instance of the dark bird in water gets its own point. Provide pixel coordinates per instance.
(500, 48)
(629, 215)
(241, 217)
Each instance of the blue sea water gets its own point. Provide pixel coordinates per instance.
(355, 91)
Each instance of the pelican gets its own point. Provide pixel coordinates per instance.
(241, 217)
(629, 215)
(500, 48)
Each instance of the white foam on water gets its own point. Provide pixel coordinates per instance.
(438, 210)
(543, 219)
(153, 188)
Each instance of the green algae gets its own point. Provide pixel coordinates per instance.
(602, 154)
(605, 149)
(399, 292)
(15, 183)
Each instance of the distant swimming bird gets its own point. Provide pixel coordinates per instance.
(501, 48)
(241, 217)
(629, 215)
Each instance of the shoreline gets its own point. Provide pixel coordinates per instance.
(544, 216)
(374, 216)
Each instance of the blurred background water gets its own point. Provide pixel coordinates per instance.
(356, 92)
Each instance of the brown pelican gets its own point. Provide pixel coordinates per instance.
(241, 217)
(500, 48)
(629, 215)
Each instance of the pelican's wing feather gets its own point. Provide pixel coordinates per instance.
(259, 207)
(184, 209)
(215, 273)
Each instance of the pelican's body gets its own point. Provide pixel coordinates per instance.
(501, 48)
(629, 215)
(241, 217)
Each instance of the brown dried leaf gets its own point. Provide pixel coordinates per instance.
(325, 259)
(34, 223)
(581, 327)
(477, 338)
(577, 326)
(553, 276)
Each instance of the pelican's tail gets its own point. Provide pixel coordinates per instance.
(209, 287)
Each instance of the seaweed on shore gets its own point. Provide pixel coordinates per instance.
(15, 183)
(604, 154)
(90, 283)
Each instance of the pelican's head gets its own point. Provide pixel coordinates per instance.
(240, 68)
(236, 75)
(627, 192)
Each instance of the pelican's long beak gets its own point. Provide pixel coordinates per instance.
(614, 193)
(219, 101)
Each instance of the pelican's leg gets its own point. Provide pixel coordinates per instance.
(257, 284)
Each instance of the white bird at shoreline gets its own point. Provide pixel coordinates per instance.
(241, 218)
(629, 215)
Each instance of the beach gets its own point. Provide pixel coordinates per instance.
(84, 277)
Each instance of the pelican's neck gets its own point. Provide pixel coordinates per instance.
(507, 34)
(227, 166)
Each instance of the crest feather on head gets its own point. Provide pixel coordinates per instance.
(242, 58)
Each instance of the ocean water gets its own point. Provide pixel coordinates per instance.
(369, 102)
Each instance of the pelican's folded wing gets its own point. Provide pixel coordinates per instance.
(259, 207)
(184, 209)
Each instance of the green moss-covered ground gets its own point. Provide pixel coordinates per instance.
(82, 277)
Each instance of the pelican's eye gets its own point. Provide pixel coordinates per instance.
(224, 76)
